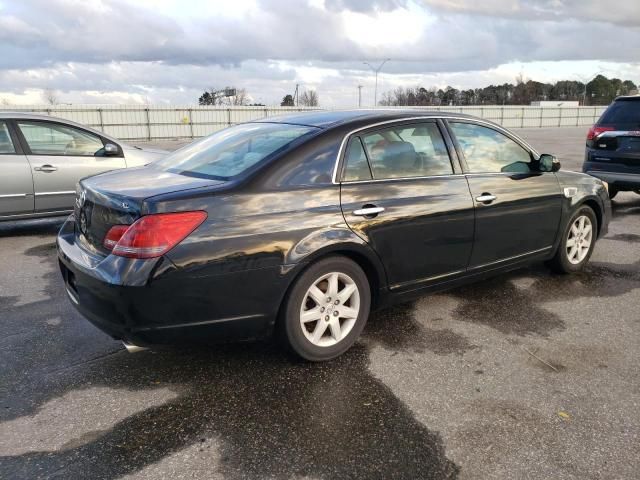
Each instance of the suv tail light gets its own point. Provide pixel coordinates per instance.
(597, 130)
(152, 235)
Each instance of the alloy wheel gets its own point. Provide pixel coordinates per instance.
(579, 239)
(330, 309)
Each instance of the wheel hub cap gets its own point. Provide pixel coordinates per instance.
(579, 239)
(330, 309)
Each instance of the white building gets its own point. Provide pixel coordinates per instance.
(556, 103)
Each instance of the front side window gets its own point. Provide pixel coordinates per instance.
(46, 138)
(408, 151)
(489, 151)
(233, 150)
(6, 144)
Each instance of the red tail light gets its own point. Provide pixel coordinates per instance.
(114, 235)
(152, 235)
(597, 130)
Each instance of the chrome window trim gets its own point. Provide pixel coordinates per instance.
(402, 179)
(347, 136)
(480, 174)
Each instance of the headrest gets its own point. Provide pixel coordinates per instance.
(399, 155)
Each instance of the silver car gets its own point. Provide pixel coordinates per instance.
(42, 158)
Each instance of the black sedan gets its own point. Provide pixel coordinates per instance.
(300, 225)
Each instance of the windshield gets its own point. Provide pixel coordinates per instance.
(233, 150)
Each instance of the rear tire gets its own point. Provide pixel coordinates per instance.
(326, 309)
(577, 243)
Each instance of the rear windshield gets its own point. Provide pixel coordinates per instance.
(233, 150)
(622, 112)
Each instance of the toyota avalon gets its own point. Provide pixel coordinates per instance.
(298, 226)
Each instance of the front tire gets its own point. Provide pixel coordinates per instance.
(326, 309)
(578, 241)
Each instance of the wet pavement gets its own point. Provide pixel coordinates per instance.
(527, 375)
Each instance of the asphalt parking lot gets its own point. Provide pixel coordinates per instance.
(528, 375)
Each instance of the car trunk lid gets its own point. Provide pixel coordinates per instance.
(118, 198)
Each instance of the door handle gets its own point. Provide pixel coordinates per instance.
(486, 198)
(46, 168)
(368, 211)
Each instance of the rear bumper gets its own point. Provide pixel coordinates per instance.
(620, 181)
(620, 170)
(146, 302)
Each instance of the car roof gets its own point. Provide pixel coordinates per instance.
(35, 116)
(332, 118)
(627, 98)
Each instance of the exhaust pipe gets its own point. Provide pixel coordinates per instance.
(133, 348)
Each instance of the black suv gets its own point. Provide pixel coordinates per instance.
(613, 146)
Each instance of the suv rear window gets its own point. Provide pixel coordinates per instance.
(231, 151)
(622, 112)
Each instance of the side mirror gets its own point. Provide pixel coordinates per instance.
(111, 149)
(548, 163)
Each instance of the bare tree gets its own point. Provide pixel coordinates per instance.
(218, 97)
(309, 98)
(50, 96)
(240, 98)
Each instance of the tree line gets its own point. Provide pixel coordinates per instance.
(231, 96)
(599, 91)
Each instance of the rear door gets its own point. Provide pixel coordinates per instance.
(518, 207)
(16, 183)
(401, 193)
(60, 155)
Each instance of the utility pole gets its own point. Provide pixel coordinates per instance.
(376, 70)
(586, 80)
(359, 96)
(295, 95)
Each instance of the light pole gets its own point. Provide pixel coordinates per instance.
(586, 80)
(359, 96)
(376, 70)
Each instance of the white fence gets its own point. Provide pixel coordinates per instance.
(159, 122)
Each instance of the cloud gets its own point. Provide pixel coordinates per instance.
(140, 49)
(626, 13)
(445, 34)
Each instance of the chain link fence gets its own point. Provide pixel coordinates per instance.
(181, 122)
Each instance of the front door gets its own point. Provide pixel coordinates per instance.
(16, 184)
(518, 207)
(399, 193)
(60, 155)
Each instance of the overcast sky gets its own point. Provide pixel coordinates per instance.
(169, 51)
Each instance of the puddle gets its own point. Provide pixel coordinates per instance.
(275, 419)
(271, 416)
(396, 328)
(624, 237)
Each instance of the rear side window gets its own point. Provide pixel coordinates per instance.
(356, 165)
(47, 138)
(408, 151)
(622, 112)
(231, 151)
(6, 144)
